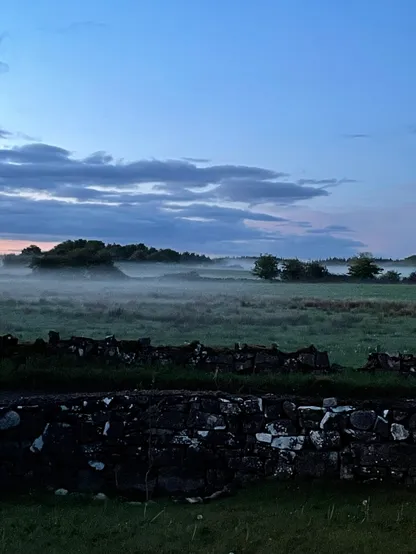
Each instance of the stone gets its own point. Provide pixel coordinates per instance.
(9, 420)
(100, 497)
(264, 437)
(325, 440)
(330, 402)
(253, 424)
(311, 416)
(363, 420)
(331, 421)
(179, 482)
(283, 427)
(206, 421)
(61, 492)
(399, 432)
(381, 427)
(412, 422)
(99, 466)
(289, 443)
(361, 436)
(399, 415)
(342, 409)
(290, 409)
(317, 464)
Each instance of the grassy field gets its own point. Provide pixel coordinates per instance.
(346, 319)
(274, 517)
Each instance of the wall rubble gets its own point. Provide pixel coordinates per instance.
(143, 444)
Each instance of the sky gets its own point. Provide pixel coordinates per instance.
(226, 127)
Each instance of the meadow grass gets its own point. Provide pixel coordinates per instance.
(274, 517)
(347, 320)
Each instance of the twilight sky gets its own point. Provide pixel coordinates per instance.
(218, 126)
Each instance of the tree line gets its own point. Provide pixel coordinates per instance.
(362, 267)
(84, 253)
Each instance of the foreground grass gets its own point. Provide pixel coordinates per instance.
(76, 375)
(348, 320)
(292, 519)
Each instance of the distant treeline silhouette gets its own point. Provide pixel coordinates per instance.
(84, 253)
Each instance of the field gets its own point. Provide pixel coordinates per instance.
(275, 517)
(348, 320)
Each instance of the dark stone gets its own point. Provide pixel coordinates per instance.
(247, 464)
(180, 482)
(317, 464)
(273, 410)
(289, 408)
(135, 480)
(363, 420)
(89, 481)
(325, 440)
(205, 421)
(114, 430)
(253, 424)
(282, 427)
(311, 416)
(253, 405)
(168, 420)
(381, 427)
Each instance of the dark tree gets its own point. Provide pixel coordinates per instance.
(266, 267)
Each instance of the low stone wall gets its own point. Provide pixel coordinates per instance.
(143, 444)
(243, 358)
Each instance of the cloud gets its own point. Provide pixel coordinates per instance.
(77, 26)
(5, 134)
(48, 191)
(197, 160)
(356, 135)
(4, 67)
(329, 229)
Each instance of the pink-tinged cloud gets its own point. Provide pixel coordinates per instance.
(10, 246)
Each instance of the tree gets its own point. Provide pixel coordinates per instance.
(266, 267)
(363, 266)
(293, 270)
(31, 250)
(391, 276)
(316, 270)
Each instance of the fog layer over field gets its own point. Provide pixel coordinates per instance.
(174, 304)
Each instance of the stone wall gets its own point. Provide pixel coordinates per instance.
(143, 444)
(243, 358)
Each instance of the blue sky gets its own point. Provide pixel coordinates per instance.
(304, 112)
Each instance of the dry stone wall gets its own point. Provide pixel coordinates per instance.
(149, 443)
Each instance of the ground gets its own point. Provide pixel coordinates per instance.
(274, 517)
(347, 320)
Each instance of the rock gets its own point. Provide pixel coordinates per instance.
(290, 410)
(381, 427)
(100, 496)
(264, 437)
(180, 482)
(412, 422)
(325, 440)
(289, 443)
(283, 427)
(9, 420)
(361, 436)
(330, 402)
(206, 421)
(363, 419)
(317, 464)
(311, 416)
(332, 421)
(398, 415)
(61, 492)
(99, 466)
(342, 409)
(399, 432)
